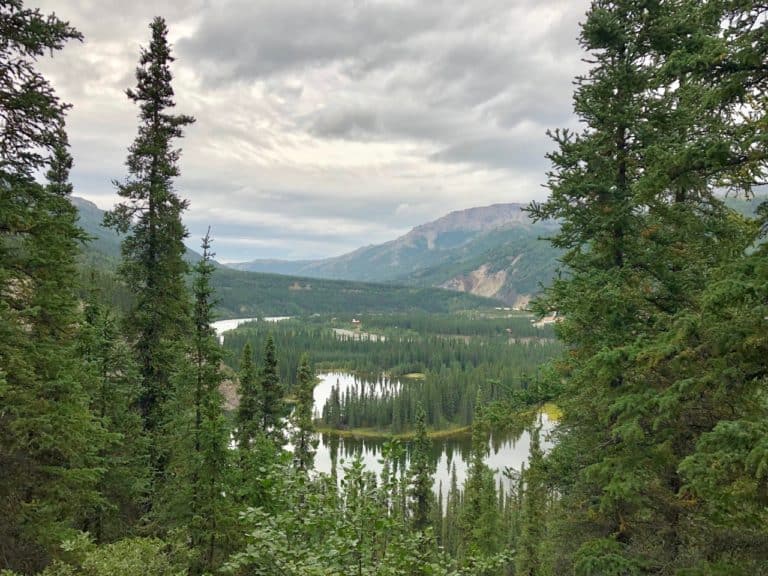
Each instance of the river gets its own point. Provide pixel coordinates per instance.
(223, 326)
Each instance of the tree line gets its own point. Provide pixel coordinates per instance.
(441, 373)
(396, 355)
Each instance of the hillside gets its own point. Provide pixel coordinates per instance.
(259, 294)
(493, 251)
(245, 294)
(104, 249)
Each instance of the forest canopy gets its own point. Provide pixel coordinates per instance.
(117, 453)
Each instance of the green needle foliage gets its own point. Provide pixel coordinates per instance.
(646, 241)
(533, 515)
(213, 514)
(198, 497)
(153, 266)
(479, 517)
(303, 433)
(273, 408)
(49, 439)
(114, 385)
(32, 114)
(421, 472)
(248, 418)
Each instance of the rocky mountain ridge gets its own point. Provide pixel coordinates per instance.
(493, 251)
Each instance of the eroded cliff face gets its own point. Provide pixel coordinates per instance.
(481, 282)
(484, 282)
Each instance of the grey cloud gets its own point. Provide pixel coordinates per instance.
(351, 122)
(387, 119)
(300, 206)
(522, 154)
(277, 230)
(274, 36)
(324, 125)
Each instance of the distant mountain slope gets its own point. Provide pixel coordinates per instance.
(104, 249)
(105, 246)
(509, 264)
(493, 251)
(247, 294)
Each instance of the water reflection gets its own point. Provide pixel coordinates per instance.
(506, 450)
(343, 382)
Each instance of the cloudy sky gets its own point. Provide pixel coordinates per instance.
(325, 125)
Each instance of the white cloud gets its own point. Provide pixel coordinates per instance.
(328, 125)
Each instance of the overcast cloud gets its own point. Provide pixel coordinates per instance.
(324, 125)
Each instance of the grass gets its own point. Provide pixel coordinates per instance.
(553, 411)
(374, 434)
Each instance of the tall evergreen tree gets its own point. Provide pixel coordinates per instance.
(248, 418)
(643, 233)
(48, 438)
(114, 386)
(534, 512)
(272, 392)
(479, 518)
(303, 426)
(421, 472)
(213, 516)
(198, 495)
(153, 266)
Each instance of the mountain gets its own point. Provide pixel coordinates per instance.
(248, 294)
(104, 248)
(492, 251)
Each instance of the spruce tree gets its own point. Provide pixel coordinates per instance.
(272, 405)
(533, 515)
(303, 433)
(479, 519)
(48, 437)
(421, 473)
(153, 263)
(248, 418)
(198, 496)
(114, 385)
(213, 517)
(643, 232)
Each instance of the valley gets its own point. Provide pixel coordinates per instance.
(493, 251)
(358, 413)
(241, 293)
(455, 375)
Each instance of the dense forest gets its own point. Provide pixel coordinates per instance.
(386, 344)
(442, 368)
(118, 458)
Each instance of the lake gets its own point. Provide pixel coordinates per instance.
(505, 451)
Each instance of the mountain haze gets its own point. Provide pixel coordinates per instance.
(248, 294)
(493, 251)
